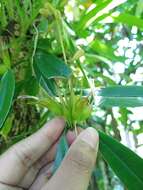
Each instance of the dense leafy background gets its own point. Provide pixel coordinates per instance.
(98, 43)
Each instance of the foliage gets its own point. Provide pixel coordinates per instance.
(81, 60)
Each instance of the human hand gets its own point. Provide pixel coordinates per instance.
(27, 165)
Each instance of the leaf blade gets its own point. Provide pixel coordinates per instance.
(128, 19)
(125, 163)
(61, 152)
(7, 86)
(51, 66)
(122, 96)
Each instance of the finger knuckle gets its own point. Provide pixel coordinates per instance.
(82, 158)
(23, 157)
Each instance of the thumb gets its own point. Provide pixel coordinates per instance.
(76, 168)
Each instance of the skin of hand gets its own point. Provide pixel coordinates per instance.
(27, 165)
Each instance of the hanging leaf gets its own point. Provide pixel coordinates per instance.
(50, 66)
(126, 164)
(122, 96)
(47, 84)
(7, 86)
(47, 67)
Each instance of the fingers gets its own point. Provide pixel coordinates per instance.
(7, 187)
(47, 158)
(33, 172)
(75, 170)
(22, 155)
(43, 162)
(42, 178)
(36, 145)
(71, 135)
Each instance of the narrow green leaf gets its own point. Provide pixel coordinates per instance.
(100, 12)
(122, 96)
(98, 58)
(126, 164)
(128, 19)
(6, 127)
(91, 14)
(61, 151)
(7, 86)
(122, 91)
(105, 50)
(121, 102)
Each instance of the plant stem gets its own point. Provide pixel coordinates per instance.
(35, 46)
(76, 131)
(59, 22)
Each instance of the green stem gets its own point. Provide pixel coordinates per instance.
(59, 23)
(35, 46)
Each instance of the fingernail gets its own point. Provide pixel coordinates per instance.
(91, 137)
(71, 136)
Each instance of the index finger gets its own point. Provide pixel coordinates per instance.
(22, 155)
